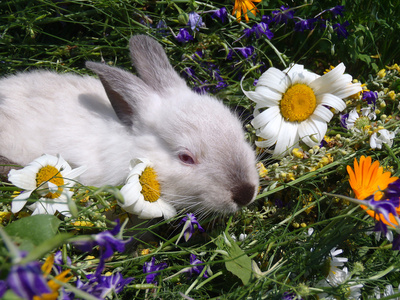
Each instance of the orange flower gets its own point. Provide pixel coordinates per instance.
(368, 179)
(245, 5)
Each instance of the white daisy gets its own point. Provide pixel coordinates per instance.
(295, 104)
(336, 275)
(142, 192)
(51, 177)
(382, 136)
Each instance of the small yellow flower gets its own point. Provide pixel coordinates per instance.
(246, 6)
(5, 216)
(262, 171)
(394, 67)
(145, 251)
(392, 95)
(298, 153)
(382, 73)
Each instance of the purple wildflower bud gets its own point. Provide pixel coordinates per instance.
(150, 267)
(3, 287)
(290, 296)
(220, 13)
(282, 15)
(248, 32)
(246, 51)
(161, 26)
(194, 261)
(337, 10)
(370, 97)
(58, 262)
(183, 36)
(380, 227)
(189, 221)
(341, 29)
(262, 28)
(27, 280)
(195, 21)
(323, 143)
(255, 82)
(202, 89)
(343, 120)
(396, 243)
(304, 25)
(189, 73)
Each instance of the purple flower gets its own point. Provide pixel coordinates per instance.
(245, 52)
(189, 73)
(58, 262)
(393, 190)
(220, 13)
(27, 280)
(337, 10)
(384, 207)
(262, 28)
(188, 228)
(194, 261)
(184, 36)
(304, 25)
(161, 26)
(343, 120)
(380, 227)
(151, 267)
(341, 29)
(105, 285)
(108, 243)
(195, 21)
(267, 19)
(3, 287)
(282, 15)
(370, 97)
(100, 286)
(248, 32)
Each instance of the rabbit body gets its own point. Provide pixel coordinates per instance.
(197, 144)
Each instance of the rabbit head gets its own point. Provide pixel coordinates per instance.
(196, 143)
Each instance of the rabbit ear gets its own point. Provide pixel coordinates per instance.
(152, 64)
(124, 90)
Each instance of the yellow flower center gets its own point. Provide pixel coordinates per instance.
(298, 103)
(49, 174)
(150, 185)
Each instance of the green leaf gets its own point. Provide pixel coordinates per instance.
(33, 231)
(238, 263)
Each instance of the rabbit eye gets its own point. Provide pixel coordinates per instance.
(187, 158)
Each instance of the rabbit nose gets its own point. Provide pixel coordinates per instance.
(242, 194)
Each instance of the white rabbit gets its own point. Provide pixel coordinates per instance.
(197, 144)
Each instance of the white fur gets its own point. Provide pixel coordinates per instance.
(158, 117)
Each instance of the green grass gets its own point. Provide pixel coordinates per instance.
(62, 35)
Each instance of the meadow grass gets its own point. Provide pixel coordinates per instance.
(277, 248)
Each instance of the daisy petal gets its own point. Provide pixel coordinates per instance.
(287, 138)
(274, 79)
(331, 101)
(265, 117)
(324, 113)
